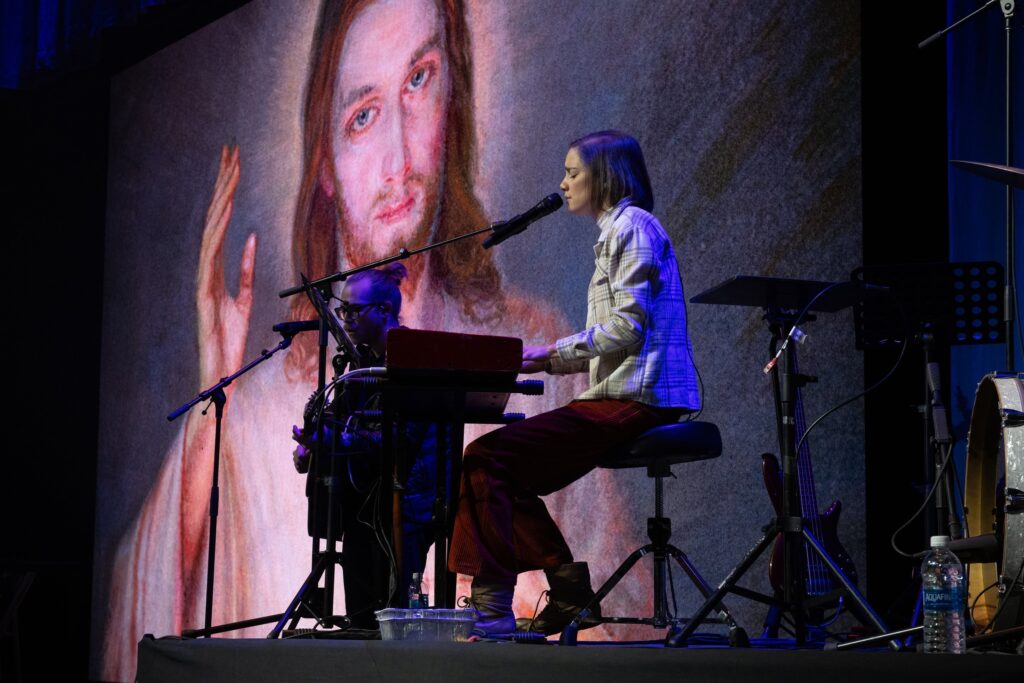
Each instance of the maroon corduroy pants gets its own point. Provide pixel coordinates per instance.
(502, 527)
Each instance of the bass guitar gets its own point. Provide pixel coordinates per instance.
(818, 582)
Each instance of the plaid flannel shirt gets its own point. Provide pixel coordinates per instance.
(635, 345)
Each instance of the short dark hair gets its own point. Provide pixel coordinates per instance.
(617, 170)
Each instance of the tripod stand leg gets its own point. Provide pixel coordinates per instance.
(771, 623)
(310, 582)
(660, 613)
(568, 636)
(859, 606)
(683, 561)
(679, 638)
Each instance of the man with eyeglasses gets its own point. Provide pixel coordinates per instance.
(370, 305)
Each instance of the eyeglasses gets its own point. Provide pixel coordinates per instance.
(347, 310)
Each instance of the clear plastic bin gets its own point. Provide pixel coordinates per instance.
(446, 625)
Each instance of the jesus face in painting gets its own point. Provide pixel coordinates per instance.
(390, 105)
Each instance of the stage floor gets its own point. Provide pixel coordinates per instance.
(253, 661)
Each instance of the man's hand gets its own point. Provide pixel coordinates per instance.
(300, 457)
(302, 452)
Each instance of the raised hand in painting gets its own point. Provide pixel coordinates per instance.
(223, 328)
(223, 319)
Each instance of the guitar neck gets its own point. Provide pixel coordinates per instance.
(817, 579)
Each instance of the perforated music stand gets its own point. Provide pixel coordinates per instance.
(933, 306)
(938, 303)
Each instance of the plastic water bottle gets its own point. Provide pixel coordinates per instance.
(942, 595)
(417, 598)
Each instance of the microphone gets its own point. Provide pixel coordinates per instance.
(292, 328)
(513, 226)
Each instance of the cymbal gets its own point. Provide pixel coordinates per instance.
(1008, 175)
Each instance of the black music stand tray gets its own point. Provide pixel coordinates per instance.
(777, 296)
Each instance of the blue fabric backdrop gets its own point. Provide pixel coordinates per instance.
(976, 72)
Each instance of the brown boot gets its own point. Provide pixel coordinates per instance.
(569, 592)
(493, 604)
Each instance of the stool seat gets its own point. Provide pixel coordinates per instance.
(667, 445)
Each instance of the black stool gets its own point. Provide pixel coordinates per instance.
(657, 450)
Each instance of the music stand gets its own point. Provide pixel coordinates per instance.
(942, 303)
(777, 296)
(939, 305)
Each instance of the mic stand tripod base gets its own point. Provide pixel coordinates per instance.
(225, 628)
(326, 559)
(858, 603)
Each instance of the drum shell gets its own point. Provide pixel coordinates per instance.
(994, 479)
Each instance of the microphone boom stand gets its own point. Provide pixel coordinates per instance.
(218, 397)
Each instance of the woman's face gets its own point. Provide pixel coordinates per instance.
(576, 185)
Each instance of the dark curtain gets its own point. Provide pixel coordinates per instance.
(44, 38)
